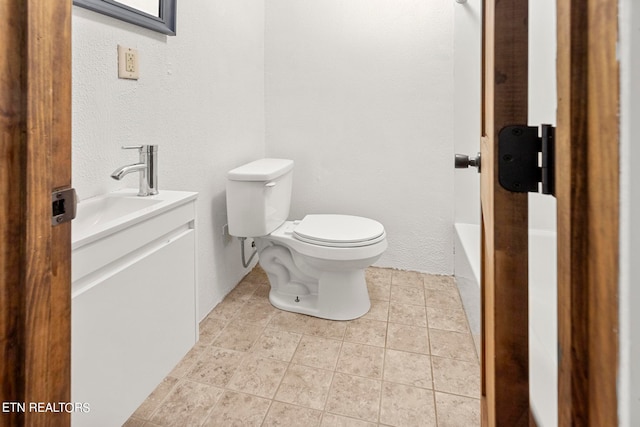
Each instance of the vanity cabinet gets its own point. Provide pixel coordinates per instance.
(133, 313)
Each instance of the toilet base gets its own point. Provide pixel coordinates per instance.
(335, 290)
(341, 295)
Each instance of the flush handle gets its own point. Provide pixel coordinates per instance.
(270, 184)
(463, 162)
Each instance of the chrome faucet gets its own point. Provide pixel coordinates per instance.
(147, 166)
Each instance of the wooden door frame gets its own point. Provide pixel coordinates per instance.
(504, 290)
(35, 257)
(588, 146)
(588, 214)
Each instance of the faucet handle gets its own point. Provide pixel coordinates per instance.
(147, 148)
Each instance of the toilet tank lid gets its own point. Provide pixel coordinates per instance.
(261, 170)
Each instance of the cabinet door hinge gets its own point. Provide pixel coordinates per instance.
(520, 165)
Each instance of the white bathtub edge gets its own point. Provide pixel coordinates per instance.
(467, 251)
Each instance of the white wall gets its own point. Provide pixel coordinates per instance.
(200, 97)
(467, 44)
(358, 94)
(629, 370)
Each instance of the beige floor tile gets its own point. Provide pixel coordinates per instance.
(282, 414)
(238, 336)
(151, 403)
(305, 386)
(407, 314)
(324, 328)
(243, 290)
(134, 422)
(379, 275)
(265, 365)
(379, 310)
(188, 403)
(227, 308)
(454, 411)
(333, 420)
(258, 376)
(317, 352)
(453, 345)
(443, 299)
(447, 319)
(274, 344)
(408, 338)
(354, 397)
(257, 276)
(477, 341)
(439, 282)
(303, 324)
(187, 362)
(407, 406)
(363, 331)
(238, 409)
(378, 290)
(262, 292)
(210, 328)
(258, 311)
(288, 321)
(408, 368)
(407, 295)
(407, 278)
(456, 376)
(216, 366)
(362, 360)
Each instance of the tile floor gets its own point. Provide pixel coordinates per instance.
(410, 361)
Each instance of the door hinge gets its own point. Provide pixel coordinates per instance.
(63, 205)
(520, 165)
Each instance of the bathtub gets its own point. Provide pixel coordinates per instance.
(543, 366)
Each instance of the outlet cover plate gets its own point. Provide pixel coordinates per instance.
(128, 67)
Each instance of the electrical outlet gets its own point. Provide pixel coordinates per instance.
(128, 63)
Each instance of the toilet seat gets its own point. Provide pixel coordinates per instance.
(339, 231)
(284, 235)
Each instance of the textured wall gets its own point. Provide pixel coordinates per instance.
(200, 97)
(467, 70)
(358, 94)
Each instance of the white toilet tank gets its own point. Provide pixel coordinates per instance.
(259, 197)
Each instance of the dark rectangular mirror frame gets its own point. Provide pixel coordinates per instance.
(165, 23)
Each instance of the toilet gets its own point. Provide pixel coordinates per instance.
(316, 265)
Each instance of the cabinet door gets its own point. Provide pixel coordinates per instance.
(130, 328)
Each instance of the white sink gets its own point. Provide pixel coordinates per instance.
(98, 211)
(100, 216)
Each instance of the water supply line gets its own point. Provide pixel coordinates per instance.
(245, 264)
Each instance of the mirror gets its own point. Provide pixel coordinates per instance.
(157, 15)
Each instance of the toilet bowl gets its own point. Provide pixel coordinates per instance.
(316, 266)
